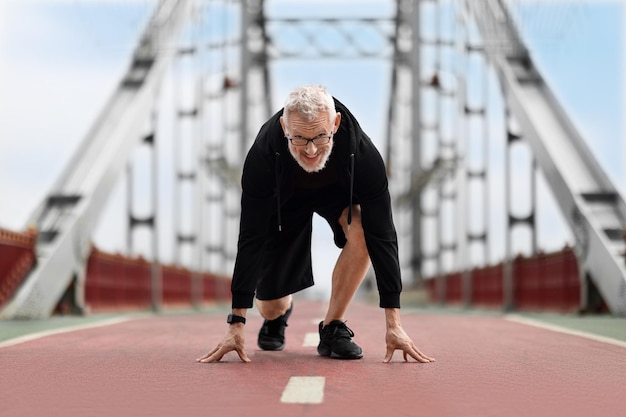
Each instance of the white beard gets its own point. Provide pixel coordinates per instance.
(311, 168)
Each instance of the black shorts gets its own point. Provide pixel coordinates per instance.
(287, 266)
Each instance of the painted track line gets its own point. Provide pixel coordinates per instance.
(39, 335)
(304, 390)
(311, 340)
(536, 323)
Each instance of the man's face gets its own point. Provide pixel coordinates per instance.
(311, 157)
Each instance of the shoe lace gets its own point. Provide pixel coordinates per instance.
(340, 329)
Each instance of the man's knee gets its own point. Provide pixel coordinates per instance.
(272, 309)
(353, 231)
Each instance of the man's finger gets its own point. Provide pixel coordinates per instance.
(389, 354)
(418, 356)
(426, 358)
(215, 356)
(207, 355)
(242, 355)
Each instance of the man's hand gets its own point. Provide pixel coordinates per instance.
(233, 340)
(397, 339)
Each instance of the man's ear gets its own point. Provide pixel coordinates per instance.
(337, 122)
(282, 124)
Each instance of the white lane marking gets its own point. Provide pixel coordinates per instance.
(555, 328)
(311, 339)
(304, 390)
(39, 335)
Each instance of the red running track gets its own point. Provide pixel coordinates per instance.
(486, 366)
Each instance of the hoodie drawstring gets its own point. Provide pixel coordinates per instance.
(351, 189)
(277, 176)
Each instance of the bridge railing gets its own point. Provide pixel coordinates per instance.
(120, 282)
(114, 281)
(17, 257)
(545, 282)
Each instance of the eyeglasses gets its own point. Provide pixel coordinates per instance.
(317, 141)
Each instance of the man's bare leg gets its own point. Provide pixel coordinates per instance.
(272, 333)
(351, 267)
(272, 309)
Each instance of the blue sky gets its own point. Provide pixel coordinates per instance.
(60, 60)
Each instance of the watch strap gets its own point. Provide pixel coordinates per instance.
(233, 318)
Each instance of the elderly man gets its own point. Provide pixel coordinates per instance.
(313, 157)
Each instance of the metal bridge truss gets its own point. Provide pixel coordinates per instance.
(437, 142)
(589, 202)
(67, 216)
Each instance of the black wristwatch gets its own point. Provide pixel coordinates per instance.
(232, 318)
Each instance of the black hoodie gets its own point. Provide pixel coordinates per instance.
(267, 184)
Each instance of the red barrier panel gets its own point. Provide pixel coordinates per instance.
(222, 287)
(216, 287)
(117, 282)
(527, 276)
(487, 286)
(209, 287)
(17, 258)
(454, 288)
(430, 285)
(570, 290)
(176, 284)
(543, 282)
(548, 282)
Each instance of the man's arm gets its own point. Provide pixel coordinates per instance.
(398, 339)
(257, 198)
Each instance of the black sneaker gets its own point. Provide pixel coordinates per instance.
(272, 333)
(336, 341)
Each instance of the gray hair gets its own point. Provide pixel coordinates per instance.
(309, 101)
